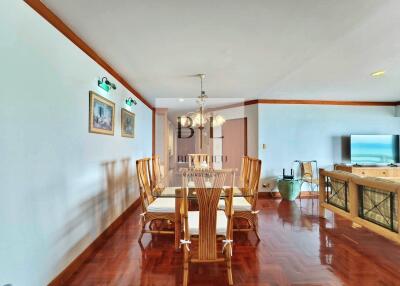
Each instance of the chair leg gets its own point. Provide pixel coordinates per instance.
(312, 196)
(140, 237)
(185, 267)
(143, 229)
(300, 199)
(185, 271)
(257, 234)
(300, 193)
(229, 264)
(255, 226)
(185, 274)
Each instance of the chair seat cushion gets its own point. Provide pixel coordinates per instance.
(194, 219)
(162, 205)
(240, 204)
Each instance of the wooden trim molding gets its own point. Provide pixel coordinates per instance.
(62, 278)
(251, 102)
(308, 101)
(321, 102)
(54, 20)
(233, 105)
(303, 101)
(153, 132)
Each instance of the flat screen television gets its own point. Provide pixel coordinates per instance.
(374, 149)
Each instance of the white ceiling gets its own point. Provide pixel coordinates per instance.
(310, 49)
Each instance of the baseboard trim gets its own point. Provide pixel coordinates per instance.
(63, 277)
(277, 195)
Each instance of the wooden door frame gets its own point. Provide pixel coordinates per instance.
(245, 136)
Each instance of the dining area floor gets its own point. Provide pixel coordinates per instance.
(297, 247)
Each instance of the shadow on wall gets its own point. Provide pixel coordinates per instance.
(341, 149)
(118, 193)
(93, 215)
(346, 148)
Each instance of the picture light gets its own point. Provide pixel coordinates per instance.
(129, 101)
(105, 84)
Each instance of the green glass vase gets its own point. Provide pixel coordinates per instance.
(289, 189)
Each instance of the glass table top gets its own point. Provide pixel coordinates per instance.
(177, 192)
(173, 187)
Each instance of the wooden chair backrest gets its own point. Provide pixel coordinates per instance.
(144, 179)
(307, 170)
(245, 171)
(195, 160)
(208, 198)
(255, 172)
(156, 170)
(252, 180)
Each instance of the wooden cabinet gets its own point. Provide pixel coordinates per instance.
(370, 171)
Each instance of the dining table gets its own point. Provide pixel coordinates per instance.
(167, 189)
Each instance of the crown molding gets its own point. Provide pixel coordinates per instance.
(56, 22)
(322, 102)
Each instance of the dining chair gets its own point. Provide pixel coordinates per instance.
(245, 171)
(245, 207)
(157, 178)
(309, 175)
(199, 161)
(152, 208)
(209, 226)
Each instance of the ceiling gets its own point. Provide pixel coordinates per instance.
(310, 49)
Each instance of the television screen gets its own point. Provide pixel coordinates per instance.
(374, 149)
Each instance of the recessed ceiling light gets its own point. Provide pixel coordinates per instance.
(181, 100)
(379, 73)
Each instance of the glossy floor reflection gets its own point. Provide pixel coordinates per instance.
(297, 248)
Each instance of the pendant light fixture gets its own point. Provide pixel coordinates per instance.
(200, 118)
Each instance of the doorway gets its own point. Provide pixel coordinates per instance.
(234, 142)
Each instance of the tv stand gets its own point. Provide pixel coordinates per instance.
(371, 171)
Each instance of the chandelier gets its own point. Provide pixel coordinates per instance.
(200, 118)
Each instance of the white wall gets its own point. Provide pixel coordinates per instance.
(53, 196)
(308, 132)
(398, 110)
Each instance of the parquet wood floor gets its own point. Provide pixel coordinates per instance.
(297, 248)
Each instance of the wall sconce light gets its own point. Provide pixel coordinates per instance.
(130, 101)
(105, 84)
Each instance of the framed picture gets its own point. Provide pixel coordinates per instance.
(101, 114)
(127, 123)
